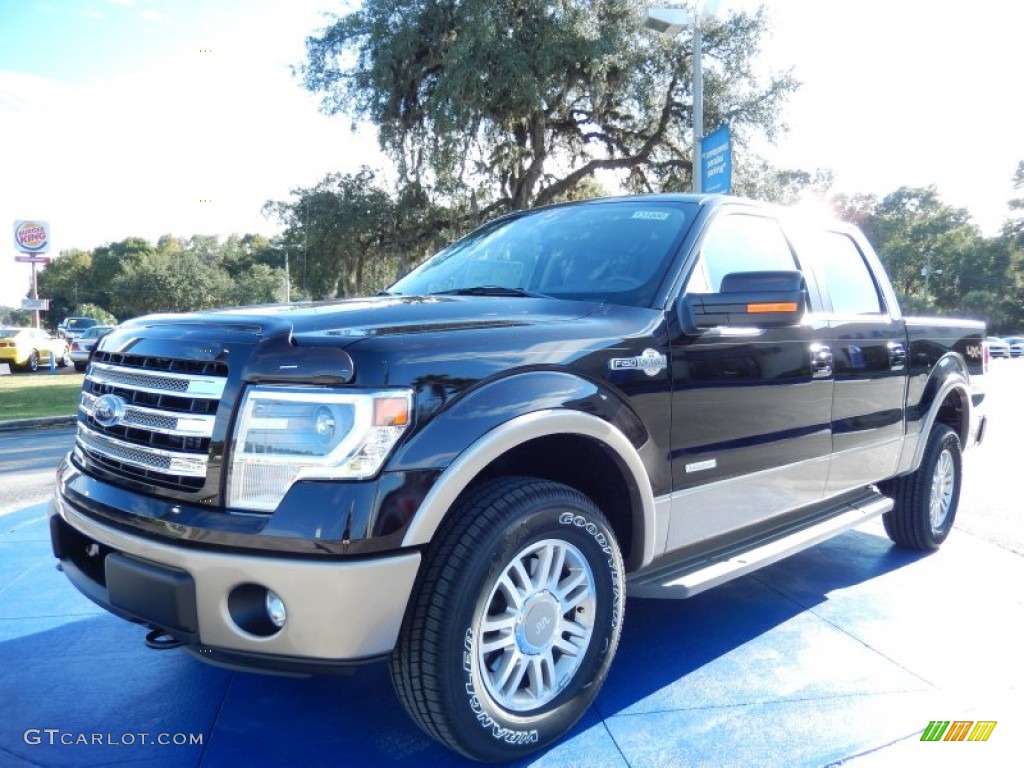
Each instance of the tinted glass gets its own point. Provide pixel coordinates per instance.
(81, 322)
(96, 331)
(610, 251)
(740, 243)
(847, 276)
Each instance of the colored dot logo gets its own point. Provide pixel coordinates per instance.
(205, 200)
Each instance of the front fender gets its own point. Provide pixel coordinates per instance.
(468, 418)
(506, 436)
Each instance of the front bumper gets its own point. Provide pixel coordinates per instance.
(339, 612)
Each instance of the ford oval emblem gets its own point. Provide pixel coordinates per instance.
(108, 410)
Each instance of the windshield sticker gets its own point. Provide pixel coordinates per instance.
(652, 215)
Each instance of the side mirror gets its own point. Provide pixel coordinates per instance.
(748, 300)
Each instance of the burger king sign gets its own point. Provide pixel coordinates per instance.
(32, 236)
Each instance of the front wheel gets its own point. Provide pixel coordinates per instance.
(514, 620)
(926, 500)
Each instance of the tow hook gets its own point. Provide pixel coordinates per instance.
(161, 640)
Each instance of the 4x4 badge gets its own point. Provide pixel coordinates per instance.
(650, 362)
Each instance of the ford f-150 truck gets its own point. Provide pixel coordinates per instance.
(467, 474)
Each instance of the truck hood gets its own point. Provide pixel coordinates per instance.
(348, 321)
(400, 340)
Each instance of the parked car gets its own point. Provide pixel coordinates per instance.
(1016, 345)
(26, 348)
(997, 347)
(82, 347)
(73, 327)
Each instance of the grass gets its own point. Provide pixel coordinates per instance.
(33, 395)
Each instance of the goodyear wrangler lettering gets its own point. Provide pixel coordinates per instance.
(497, 731)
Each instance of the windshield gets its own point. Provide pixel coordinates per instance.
(96, 331)
(615, 251)
(80, 322)
(8, 333)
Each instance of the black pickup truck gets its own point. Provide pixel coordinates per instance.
(467, 474)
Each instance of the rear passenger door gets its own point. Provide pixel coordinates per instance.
(751, 421)
(869, 349)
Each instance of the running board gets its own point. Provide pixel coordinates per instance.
(694, 575)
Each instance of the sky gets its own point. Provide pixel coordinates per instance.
(127, 118)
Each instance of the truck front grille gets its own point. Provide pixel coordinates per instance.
(162, 434)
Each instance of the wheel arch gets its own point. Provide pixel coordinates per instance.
(593, 456)
(946, 399)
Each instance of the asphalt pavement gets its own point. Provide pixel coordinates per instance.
(842, 654)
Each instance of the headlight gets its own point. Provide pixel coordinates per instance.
(285, 434)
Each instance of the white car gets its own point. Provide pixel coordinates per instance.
(1016, 345)
(82, 347)
(997, 347)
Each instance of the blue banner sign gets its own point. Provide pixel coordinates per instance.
(716, 161)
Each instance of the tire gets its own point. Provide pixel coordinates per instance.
(80, 367)
(65, 360)
(499, 693)
(926, 500)
(33, 362)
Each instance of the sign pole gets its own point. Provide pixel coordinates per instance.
(35, 295)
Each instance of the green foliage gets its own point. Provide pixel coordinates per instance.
(259, 284)
(918, 237)
(490, 106)
(340, 226)
(17, 318)
(1014, 227)
(67, 282)
(133, 277)
(587, 189)
(938, 260)
(91, 310)
(758, 180)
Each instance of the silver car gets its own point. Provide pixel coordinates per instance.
(1016, 345)
(82, 347)
(997, 347)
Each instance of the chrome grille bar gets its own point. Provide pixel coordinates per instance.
(171, 462)
(165, 422)
(157, 382)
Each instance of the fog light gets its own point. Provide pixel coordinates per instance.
(275, 609)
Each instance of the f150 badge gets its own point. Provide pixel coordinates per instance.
(650, 362)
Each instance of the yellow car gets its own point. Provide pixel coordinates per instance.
(29, 348)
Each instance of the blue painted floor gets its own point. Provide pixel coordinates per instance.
(840, 654)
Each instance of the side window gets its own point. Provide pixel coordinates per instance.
(740, 243)
(847, 276)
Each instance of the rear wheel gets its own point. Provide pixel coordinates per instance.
(927, 500)
(33, 362)
(514, 620)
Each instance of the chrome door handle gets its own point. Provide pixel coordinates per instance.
(821, 361)
(897, 356)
